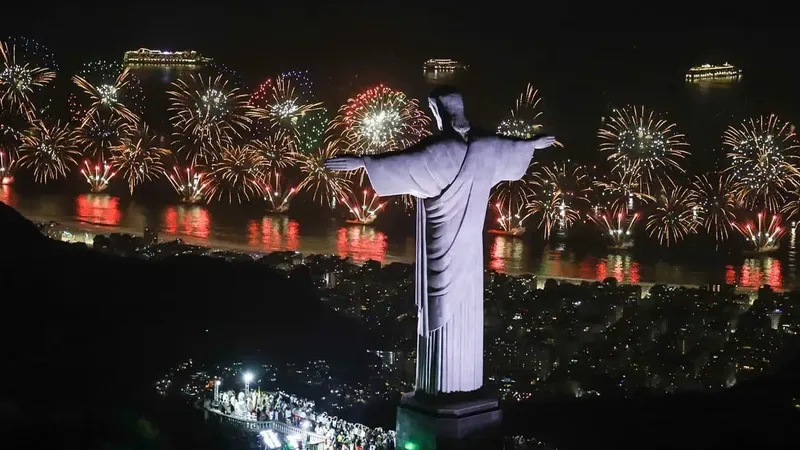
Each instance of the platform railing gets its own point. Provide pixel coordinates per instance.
(260, 425)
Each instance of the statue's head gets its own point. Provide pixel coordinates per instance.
(447, 107)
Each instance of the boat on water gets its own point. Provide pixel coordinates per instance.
(146, 56)
(712, 71)
(443, 65)
(516, 232)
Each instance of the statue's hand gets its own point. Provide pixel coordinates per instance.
(344, 163)
(543, 142)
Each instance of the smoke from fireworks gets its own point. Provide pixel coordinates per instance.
(380, 120)
(763, 160)
(49, 150)
(642, 143)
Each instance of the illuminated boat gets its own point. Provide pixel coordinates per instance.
(145, 56)
(709, 71)
(516, 232)
(443, 65)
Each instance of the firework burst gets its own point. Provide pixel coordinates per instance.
(111, 89)
(8, 165)
(140, 157)
(674, 216)
(619, 192)
(98, 175)
(49, 150)
(236, 174)
(325, 185)
(13, 125)
(19, 80)
(792, 209)
(365, 209)
(310, 130)
(763, 161)
(714, 197)
(517, 191)
(618, 228)
(276, 192)
(765, 234)
(208, 115)
(32, 52)
(380, 120)
(524, 120)
(308, 119)
(511, 217)
(100, 133)
(191, 185)
(641, 143)
(571, 183)
(277, 149)
(548, 210)
(281, 103)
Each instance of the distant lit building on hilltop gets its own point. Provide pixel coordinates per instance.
(145, 56)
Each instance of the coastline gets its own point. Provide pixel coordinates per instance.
(91, 229)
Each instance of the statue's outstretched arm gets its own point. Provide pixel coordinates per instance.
(513, 156)
(402, 172)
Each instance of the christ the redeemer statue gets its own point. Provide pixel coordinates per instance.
(451, 176)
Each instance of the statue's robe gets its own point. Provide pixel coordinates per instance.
(451, 179)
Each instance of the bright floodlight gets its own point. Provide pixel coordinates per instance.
(218, 382)
(248, 377)
(270, 439)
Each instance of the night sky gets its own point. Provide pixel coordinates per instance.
(585, 57)
(384, 34)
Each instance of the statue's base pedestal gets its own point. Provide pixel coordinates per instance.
(442, 423)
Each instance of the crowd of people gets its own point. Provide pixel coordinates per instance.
(282, 407)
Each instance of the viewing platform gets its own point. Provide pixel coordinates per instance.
(286, 431)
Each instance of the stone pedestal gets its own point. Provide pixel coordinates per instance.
(448, 422)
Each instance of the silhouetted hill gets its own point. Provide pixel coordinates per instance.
(83, 328)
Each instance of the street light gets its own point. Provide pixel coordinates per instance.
(216, 390)
(248, 377)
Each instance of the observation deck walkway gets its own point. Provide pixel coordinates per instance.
(255, 425)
